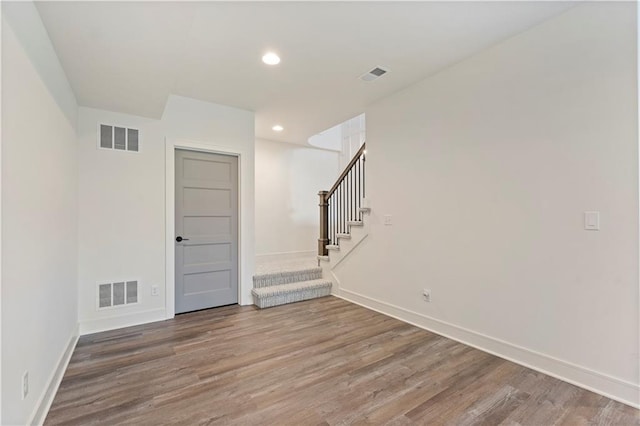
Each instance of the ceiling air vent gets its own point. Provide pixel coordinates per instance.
(374, 74)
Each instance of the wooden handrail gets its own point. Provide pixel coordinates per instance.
(346, 170)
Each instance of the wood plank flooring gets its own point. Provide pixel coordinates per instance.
(320, 362)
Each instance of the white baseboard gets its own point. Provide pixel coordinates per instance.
(46, 398)
(284, 256)
(600, 383)
(128, 320)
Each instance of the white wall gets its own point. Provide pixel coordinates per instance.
(120, 219)
(288, 178)
(486, 169)
(353, 134)
(39, 211)
(227, 129)
(122, 204)
(328, 139)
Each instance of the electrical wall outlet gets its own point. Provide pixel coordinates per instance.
(426, 295)
(154, 290)
(25, 385)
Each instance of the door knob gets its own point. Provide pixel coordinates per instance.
(179, 238)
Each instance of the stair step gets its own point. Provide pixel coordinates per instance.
(275, 295)
(365, 209)
(324, 258)
(355, 223)
(286, 277)
(333, 247)
(344, 236)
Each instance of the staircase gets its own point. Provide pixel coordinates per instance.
(341, 212)
(287, 282)
(346, 242)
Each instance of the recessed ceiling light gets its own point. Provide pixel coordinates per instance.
(278, 128)
(271, 58)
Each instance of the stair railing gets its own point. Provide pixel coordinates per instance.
(341, 204)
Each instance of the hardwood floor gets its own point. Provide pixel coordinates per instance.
(320, 362)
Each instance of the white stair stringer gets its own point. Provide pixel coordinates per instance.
(358, 232)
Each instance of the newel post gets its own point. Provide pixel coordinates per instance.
(324, 224)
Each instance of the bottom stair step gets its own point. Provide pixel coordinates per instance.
(266, 297)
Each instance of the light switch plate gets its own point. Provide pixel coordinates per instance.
(387, 219)
(592, 221)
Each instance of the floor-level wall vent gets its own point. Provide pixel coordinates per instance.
(120, 293)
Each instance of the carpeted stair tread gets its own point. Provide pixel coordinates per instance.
(286, 277)
(288, 288)
(274, 295)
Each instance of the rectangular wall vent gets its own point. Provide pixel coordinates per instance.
(120, 138)
(117, 294)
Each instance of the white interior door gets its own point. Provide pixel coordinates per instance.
(206, 230)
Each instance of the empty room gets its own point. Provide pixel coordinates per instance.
(319, 213)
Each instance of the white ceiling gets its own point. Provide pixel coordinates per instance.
(129, 57)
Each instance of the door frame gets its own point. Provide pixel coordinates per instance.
(170, 213)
